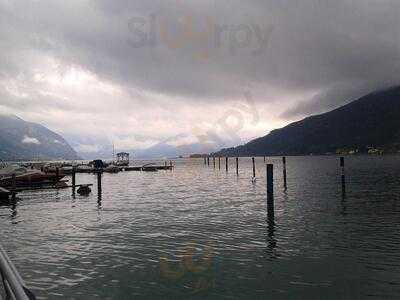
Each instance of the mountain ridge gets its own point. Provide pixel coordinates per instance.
(22, 140)
(372, 121)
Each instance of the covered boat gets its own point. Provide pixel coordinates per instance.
(26, 177)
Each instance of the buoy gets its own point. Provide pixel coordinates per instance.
(84, 190)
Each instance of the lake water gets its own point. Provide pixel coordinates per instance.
(199, 233)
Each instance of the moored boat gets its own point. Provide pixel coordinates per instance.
(26, 177)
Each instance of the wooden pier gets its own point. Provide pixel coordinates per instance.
(147, 168)
(123, 168)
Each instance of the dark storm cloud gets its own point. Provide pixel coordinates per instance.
(311, 45)
(327, 99)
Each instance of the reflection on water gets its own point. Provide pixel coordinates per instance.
(198, 232)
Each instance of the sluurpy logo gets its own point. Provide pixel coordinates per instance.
(197, 273)
(203, 35)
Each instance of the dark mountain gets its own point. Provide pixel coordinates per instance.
(371, 121)
(20, 140)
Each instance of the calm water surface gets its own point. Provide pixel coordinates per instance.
(198, 233)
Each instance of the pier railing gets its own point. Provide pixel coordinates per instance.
(14, 286)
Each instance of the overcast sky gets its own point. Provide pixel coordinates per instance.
(186, 71)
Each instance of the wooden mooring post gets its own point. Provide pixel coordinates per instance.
(237, 166)
(205, 160)
(284, 173)
(214, 162)
(343, 177)
(208, 161)
(73, 180)
(13, 187)
(264, 158)
(254, 167)
(219, 162)
(227, 164)
(99, 187)
(270, 187)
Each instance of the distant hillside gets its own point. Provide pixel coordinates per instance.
(20, 140)
(371, 121)
(158, 151)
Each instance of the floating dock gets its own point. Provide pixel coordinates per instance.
(11, 188)
(126, 169)
(146, 168)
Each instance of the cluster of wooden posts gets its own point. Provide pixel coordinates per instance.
(81, 189)
(207, 162)
(84, 189)
(270, 172)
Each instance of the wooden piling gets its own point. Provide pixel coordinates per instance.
(13, 187)
(343, 177)
(219, 162)
(214, 162)
(270, 179)
(205, 160)
(99, 188)
(270, 187)
(73, 180)
(254, 167)
(284, 173)
(208, 161)
(264, 158)
(57, 177)
(237, 166)
(227, 164)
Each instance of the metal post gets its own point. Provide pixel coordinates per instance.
(14, 283)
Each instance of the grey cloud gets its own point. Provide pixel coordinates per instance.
(326, 100)
(337, 50)
(312, 44)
